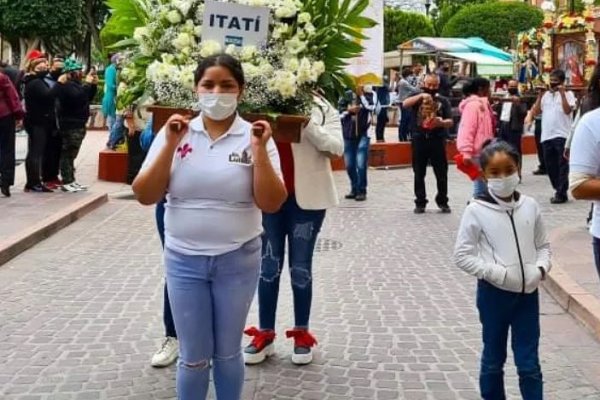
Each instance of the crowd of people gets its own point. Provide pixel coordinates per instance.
(257, 196)
(50, 98)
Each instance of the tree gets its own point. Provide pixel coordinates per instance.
(494, 22)
(446, 9)
(401, 26)
(35, 22)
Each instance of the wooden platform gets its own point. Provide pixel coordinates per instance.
(112, 166)
(400, 154)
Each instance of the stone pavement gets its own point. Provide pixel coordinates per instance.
(81, 311)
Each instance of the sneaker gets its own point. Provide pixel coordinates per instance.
(445, 209)
(558, 200)
(261, 347)
(70, 188)
(419, 210)
(37, 189)
(361, 197)
(303, 344)
(167, 354)
(80, 186)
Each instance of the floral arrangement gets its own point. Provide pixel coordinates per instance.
(570, 22)
(162, 53)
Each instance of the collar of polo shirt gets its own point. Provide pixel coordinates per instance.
(238, 128)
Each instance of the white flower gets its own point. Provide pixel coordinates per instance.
(141, 33)
(295, 46)
(318, 68)
(231, 49)
(304, 18)
(286, 9)
(122, 87)
(167, 58)
(183, 6)
(305, 71)
(256, 3)
(280, 30)
(174, 17)
(588, 2)
(548, 6)
(291, 64)
(247, 53)
(250, 70)
(183, 40)
(198, 30)
(309, 29)
(209, 48)
(266, 69)
(284, 82)
(187, 77)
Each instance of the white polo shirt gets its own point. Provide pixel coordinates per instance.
(210, 206)
(555, 123)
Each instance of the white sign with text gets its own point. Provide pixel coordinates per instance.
(240, 25)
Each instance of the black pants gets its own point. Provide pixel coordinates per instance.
(36, 147)
(7, 151)
(557, 166)
(51, 161)
(425, 150)
(135, 157)
(538, 144)
(382, 120)
(513, 137)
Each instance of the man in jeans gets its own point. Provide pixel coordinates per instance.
(556, 106)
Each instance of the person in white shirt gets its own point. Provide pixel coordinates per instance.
(585, 171)
(307, 174)
(556, 106)
(218, 172)
(502, 241)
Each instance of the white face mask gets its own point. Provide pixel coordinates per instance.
(504, 187)
(218, 106)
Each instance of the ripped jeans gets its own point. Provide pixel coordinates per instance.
(210, 298)
(301, 227)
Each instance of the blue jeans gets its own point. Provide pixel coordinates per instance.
(596, 247)
(167, 314)
(499, 311)
(479, 185)
(356, 158)
(117, 132)
(301, 227)
(210, 297)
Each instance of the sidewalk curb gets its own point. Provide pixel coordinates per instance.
(16, 244)
(571, 296)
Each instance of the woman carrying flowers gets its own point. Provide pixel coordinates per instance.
(223, 171)
(311, 191)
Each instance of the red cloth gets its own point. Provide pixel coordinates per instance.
(471, 170)
(34, 55)
(9, 99)
(286, 159)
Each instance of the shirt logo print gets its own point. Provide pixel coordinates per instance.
(244, 158)
(185, 150)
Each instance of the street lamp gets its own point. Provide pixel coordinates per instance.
(427, 6)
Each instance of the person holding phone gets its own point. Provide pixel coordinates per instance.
(556, 106)
(217, 169)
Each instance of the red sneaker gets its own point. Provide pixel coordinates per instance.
(261, 346)
(304, 341)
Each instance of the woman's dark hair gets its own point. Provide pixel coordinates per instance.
(493, 146)
(221, 60)
(474, 85)
(406, 72)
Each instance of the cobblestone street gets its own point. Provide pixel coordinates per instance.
(80, 313)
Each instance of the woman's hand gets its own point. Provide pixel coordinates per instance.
(261, 133)
(63, 78)
(176, 128)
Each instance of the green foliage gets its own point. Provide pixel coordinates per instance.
(337, 38)
(401, 26)
(446, 9)
(33, 19)
(125, 16)
(494, 22)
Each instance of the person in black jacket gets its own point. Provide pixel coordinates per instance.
(511, 112)
(39, 107)
(51, 162)
(73, 98)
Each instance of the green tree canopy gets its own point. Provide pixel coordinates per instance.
(446, 9)
(401, 26)
(493, 22)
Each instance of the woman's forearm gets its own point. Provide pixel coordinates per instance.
(269, 190)
(151, 184)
